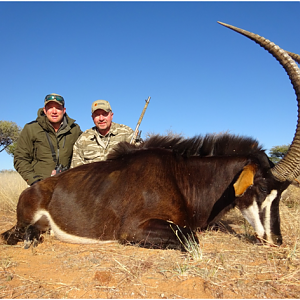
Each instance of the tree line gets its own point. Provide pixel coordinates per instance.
(10, 131)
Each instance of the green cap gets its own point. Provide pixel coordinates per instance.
(101, 104)
(56, 98)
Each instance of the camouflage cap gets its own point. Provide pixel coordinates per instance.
(101, 104)
(56, 98)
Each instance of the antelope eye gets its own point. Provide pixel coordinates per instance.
(263, 189)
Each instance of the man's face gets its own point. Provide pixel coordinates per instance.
(54, 112)
(102, 120)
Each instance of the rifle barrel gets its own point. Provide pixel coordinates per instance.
(139, 121)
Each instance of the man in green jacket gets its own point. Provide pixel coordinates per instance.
(46, 144)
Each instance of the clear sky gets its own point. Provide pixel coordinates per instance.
(201, 77)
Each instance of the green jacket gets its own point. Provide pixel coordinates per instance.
(33, 156)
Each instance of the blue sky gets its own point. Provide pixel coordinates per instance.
(201, 77)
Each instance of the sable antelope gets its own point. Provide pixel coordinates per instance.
(145, 194)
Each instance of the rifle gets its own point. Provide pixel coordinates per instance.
(136, 131)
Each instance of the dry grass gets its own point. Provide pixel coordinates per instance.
(11, 186)
(226, 264)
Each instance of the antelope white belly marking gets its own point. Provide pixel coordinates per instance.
(64, 236)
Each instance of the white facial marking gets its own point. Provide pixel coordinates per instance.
(64, 236)
(267, 220)
(251, 214)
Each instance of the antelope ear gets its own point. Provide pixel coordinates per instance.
(245, 180)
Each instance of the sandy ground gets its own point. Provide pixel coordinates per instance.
(230, 266)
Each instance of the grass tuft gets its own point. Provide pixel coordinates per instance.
(189, 244)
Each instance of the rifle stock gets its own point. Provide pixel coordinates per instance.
(136, 131)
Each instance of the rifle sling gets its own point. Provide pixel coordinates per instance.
(52, 149)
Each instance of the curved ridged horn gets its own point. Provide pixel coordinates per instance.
(289, 167)
(294, 56)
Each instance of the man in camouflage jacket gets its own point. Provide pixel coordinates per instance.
(33, 157)
(95, 143)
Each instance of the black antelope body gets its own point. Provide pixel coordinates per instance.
(144, 194)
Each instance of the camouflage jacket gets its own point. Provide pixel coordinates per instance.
(91, 146)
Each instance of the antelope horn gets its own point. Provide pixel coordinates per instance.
(294, 56)
(289, 167)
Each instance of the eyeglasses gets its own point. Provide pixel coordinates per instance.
(55, 97)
